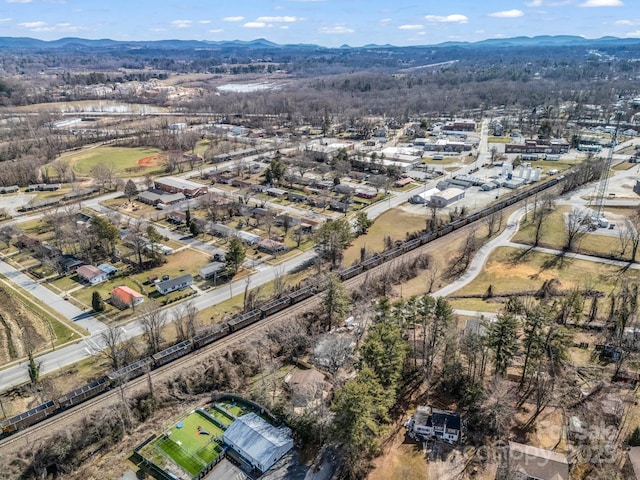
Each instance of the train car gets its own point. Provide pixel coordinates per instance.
(350, 272)
(83, 393)
(461, 222)
(302, 294)
(275, 306)
(371, 262)
(428, 237)
(131, 371)
(240, 321)
(446, 230)
(393, 253)
(411, 244)
(169, 354)
(28, 418)
(203, 339)
(476, 216)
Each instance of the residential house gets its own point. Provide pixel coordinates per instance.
(91, 274)
(211, 270)
(174, 284)
(177, 218)
(276, 192)
(271, 246)
(429, 422)
(403, 182)
(366, 193)
(527, 462)
(124, 297)
(297, 197)
(248, 238)
(110, 270)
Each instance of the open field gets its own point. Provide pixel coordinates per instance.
(125, 161)
(554, 235)
(508, 272)
(395, 223)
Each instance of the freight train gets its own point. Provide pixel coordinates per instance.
(137, 369)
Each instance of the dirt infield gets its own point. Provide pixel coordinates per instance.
(150, 161)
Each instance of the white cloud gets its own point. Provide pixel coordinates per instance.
(5, 20)
(216, 30)
(58, 27)
(68, 27)
(628, 23)
(385, 20)
(181, 23)
(255, 25)
(18, 1)
(284, 27)
(233, 19)
(204, 22)
(534, 3)
(453, 18)
(507, 14)
(411, 27)
(336, 30)
(602, 3)
(286, 19)
(635, 34)
(32, 25)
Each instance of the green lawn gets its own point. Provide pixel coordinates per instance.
(122, 159)
(188, 448)
(554, 235)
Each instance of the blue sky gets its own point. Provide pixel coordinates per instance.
(324, 22)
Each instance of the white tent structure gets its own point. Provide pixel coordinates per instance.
(257, 441)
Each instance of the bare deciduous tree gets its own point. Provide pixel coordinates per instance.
(152, 321)
(112, 340)
(576, 228)
(185, 318)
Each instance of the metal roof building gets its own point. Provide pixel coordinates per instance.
(257, 441)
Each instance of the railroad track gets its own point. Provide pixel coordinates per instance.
(140, 384)
(26, 437)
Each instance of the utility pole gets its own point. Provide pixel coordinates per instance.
(604, 176)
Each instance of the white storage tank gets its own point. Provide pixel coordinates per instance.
(536, 174)
(527, 175)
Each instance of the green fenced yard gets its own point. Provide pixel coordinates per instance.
(187, 447)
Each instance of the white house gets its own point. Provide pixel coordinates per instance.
(430, 422)
(257, 441)
(91, 274)
(174, 284)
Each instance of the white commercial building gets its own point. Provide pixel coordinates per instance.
(257, 441)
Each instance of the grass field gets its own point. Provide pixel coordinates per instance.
(124, 160)
(395, 223)
(554, 235)
(188, 448)
(507, 271)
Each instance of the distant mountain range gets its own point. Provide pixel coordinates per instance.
(71, 43)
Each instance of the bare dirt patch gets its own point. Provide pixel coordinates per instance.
(150, 161)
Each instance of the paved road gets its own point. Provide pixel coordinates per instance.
(480, 258)
(51, 299)
(92, 345)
